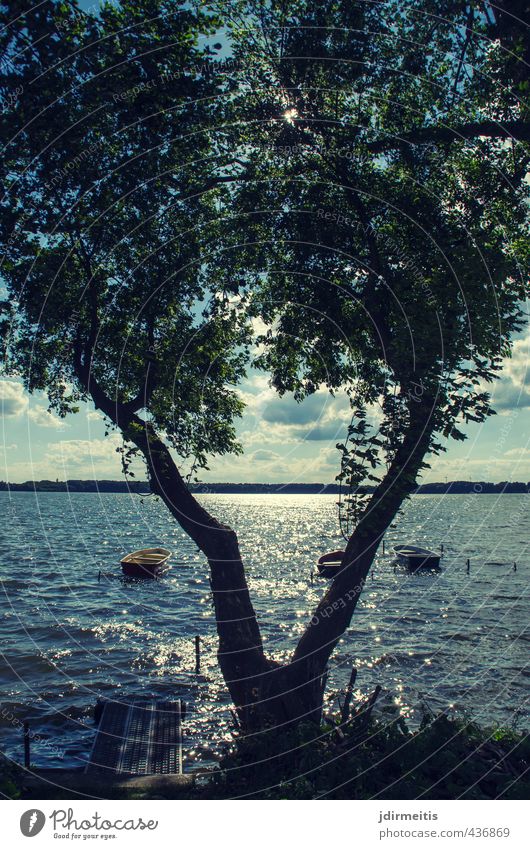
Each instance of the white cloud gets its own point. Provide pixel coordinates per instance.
(77, 452)
(13, 398)
(43, 418)
(15, 401)
(512, 390)
(262, 456)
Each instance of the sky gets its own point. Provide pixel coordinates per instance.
(283, 441)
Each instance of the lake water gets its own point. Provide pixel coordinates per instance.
(447, 639)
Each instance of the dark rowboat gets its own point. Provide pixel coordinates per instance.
(414, 557)
(146, 563)
(329, 564)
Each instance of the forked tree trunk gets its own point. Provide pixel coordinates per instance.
(265, 694)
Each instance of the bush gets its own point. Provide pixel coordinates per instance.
(446, 758)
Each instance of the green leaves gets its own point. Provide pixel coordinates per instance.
(110, 204)
(390, 269)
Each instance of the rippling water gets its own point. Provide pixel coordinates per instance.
(443, 639)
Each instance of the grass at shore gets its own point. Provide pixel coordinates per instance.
(446, 758)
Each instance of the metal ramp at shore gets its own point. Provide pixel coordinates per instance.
(138, 737)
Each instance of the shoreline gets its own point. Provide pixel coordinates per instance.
(227, 488)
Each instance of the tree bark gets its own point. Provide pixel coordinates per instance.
(265, 694)
(518, 130)
(333, 614)
(240, 651)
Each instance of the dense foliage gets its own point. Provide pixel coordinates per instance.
(386, 193)
(446, 758)
(108, 213)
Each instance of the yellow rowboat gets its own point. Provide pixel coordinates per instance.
(146, 563)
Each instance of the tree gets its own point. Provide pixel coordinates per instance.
(386, 190)
(117, 293)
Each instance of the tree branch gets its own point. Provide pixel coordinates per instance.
(241, 656)
(333, 614)
(517, 130)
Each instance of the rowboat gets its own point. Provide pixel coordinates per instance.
(329, 564)
(146, 563)
(414, 557)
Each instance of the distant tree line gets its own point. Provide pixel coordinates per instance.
(436, 488)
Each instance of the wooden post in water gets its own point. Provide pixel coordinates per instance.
(442, 549)
(383, 546)
(26, 745)
(468, 566)
(197, 654)
(515, 567)
(234, 716)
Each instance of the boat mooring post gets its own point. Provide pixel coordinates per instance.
(468, 566)
(441, 548)
(26, 745)
(383, 546)
(197, 654)
(311, 576)
(515, 567)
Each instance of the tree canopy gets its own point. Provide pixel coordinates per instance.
(386, 190)
(108, 214)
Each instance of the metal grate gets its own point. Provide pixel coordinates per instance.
(138, 738)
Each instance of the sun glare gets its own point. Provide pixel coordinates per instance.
(289, 115)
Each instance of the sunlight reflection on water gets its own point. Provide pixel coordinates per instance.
(445, 639)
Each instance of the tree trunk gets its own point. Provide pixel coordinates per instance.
(265, 694)
(333, 614)
(240, 651)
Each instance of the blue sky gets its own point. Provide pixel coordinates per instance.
(283, 440)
